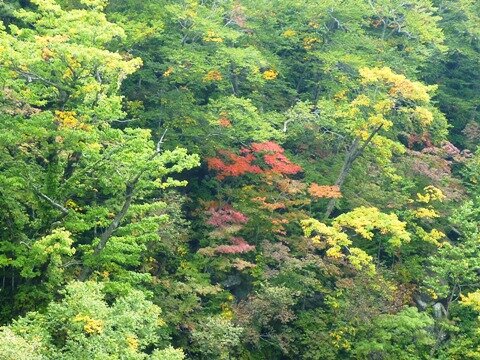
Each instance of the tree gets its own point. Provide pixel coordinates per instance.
(332, 214)
(387, 102)
(404, 335)
(69, 174)
(83, 325)
(365, 223)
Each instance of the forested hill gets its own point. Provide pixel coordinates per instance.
(239, 179)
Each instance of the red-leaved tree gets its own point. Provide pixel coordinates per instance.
(226, 221)
(258, 158)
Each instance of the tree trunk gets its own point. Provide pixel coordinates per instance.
(129, 192)
(352, 154)
(87, 270)
(346, 167)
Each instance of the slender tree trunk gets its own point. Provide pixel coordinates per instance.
(234, 80)
(87, 270)
(129, 192)
(354, 151)
(346, 167)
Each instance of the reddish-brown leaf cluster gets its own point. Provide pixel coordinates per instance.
(239, 246)
(472, 132)
(448, 151)
(433, 167)
(422, 140)
(324, 191)
(433, 164)
(290, 186)
(278, 227)
(272, 154)
(225, 216)
(268, 146)
(227, 221)
(238, 15)
(224, 122)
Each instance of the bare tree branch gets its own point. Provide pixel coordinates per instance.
(52, 202)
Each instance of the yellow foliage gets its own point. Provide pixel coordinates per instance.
(308, 43)
(51, 39)
(67, 119)
(352, 112)
(191, 10)
(472, 300)
(227, 312)
(92, 88)
(213, 75)
(377, 120)
(339, 340)
(91, 326)
(336, 241)
(168, 72)
(433, 294)
(431, 194)
(424, 116)
(289, 33)
(384, 106)
(363, 220)
(72, 205)
(432, 237)
(95, 146)
(342, 94)
(132, 342)
(182, 250)
(73, 63)
(426, 213)
(211, 36)
(399, 85)
(270, 74)
(435, 235)
(67, 74)
(362, 134)
(360, 259)
(335, 252)
(361, 100)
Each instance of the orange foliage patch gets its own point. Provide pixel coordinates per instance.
(324, 191)
(224, 122)
(278, 227)
(269, 206)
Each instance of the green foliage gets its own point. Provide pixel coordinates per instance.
(361, 114)
(216, 338)
(68, 175)
(83, 325)
(405, 335)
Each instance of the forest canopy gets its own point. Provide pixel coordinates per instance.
(239, 179)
